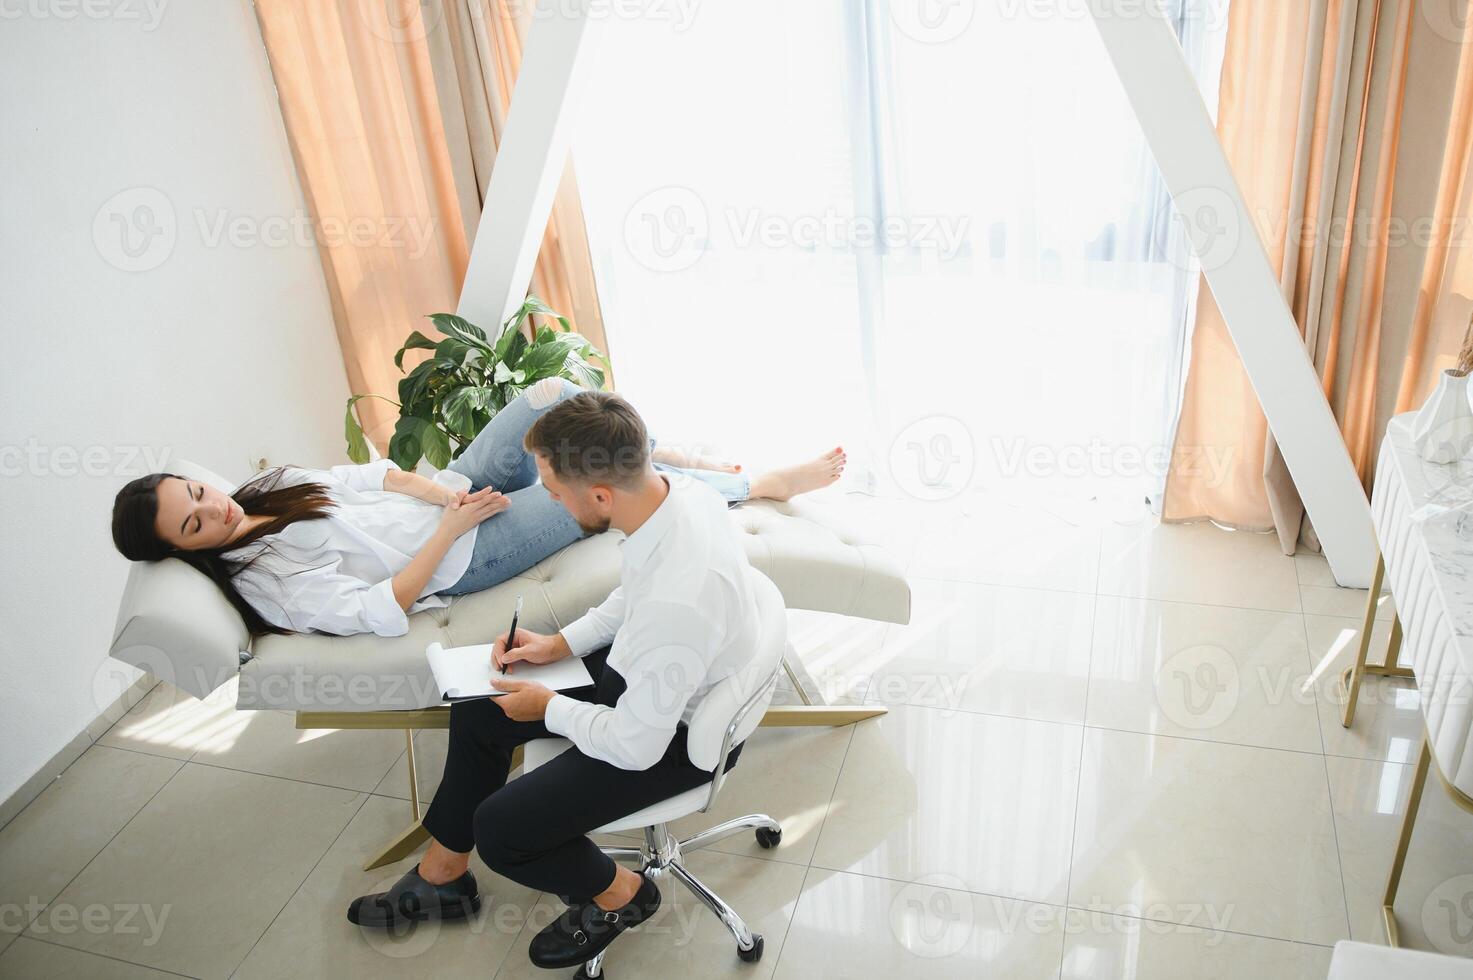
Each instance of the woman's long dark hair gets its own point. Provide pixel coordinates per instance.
(137, 506)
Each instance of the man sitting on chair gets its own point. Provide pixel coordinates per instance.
(682, 618)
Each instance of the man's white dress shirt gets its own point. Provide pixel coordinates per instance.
(682, 618)
(335, 574)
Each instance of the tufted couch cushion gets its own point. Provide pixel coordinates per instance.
(174, 624)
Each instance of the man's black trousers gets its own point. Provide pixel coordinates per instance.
(534, 829)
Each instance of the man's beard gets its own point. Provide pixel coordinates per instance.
(599, 528)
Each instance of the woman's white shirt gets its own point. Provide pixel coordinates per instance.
(335, 574)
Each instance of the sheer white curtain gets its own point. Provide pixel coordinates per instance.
(832, 222)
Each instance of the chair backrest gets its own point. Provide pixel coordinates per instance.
(750, 688)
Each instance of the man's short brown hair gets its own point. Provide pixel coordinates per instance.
(592, 437)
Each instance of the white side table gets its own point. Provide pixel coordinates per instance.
(1424, 523)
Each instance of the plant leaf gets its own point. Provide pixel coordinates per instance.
(459, 327)
(576, 369)
(511, 352)
(436, 446)
(405, 447)
(416, 341)
(459, 408)
(454, 350)
(544, 360)
(357, 445)
(414, 385)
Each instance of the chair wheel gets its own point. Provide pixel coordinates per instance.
(768, 839)
(755, 953)
(582, 974)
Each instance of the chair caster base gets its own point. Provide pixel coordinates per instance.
(583, 974)
(755, 953)
(768, 839)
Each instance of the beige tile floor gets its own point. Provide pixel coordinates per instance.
(1112, 750)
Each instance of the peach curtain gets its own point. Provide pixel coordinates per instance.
(1347, 123)
(373, 94)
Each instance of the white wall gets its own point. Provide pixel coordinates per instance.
(213, 349)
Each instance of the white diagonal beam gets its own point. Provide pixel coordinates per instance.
(1179, 130)
(529, 162)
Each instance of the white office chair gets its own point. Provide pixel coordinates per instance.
(730, 712)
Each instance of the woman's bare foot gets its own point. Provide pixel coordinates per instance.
(790, 481)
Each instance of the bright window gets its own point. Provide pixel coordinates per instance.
(833, 222)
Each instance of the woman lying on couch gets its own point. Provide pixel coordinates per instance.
(297, 549)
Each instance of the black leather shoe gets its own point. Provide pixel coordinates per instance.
(585, 930)
(412, 899)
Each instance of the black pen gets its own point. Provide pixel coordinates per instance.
(511, 634)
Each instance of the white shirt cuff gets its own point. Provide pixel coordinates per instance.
(384, 613)
(561, 714)
(452, 479)
(583, 636)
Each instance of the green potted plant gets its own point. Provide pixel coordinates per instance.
(450, 396)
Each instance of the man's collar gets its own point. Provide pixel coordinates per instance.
(641, 544)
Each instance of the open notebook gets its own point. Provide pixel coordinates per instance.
(465, 672)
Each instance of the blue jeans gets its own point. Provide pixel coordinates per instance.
(534, 526)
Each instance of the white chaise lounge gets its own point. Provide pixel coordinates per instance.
(174, 624)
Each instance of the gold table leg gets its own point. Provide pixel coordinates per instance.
(1350, 678)
(1388, 902)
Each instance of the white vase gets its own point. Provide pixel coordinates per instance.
(1442, 432)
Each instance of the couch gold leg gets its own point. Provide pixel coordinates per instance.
(409, 839)
(818, 715)
(405, 844)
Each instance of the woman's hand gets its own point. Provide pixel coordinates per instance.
(471, 509)
(529, 647)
